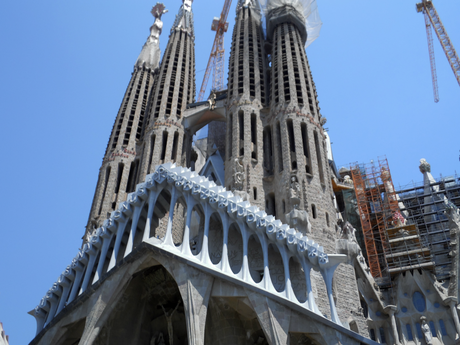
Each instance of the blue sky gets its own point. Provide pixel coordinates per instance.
(65, 67)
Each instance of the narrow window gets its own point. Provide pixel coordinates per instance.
(183, 149)
(268, 153)
(279, 148)
(382, 335)
(284, 207)
(433, 329)
(372, 334)
(270, 205)
(290, 128)
(409, 332)
(163, 149)
(253, 136)
(106, 182)
(241, 129)
(119, 175)
(327, 219)
(318, 157)
(443, 327)
(313, 211)
(419, 331)
(152, 147)
(230, 135)
(255, 193)
(132, 176)
(306, 148)
(174, 148)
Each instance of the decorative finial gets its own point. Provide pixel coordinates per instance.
(158, 10)
(424, 166)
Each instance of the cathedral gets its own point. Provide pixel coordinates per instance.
(243, 238)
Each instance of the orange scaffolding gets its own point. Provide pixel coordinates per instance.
(391, 245)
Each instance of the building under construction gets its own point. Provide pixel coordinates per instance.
(400, 230)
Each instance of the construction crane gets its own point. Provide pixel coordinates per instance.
(432, 19)
(216, 59)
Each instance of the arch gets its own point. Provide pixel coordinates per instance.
(255, 258)
(216, 238)
(159, 221)
(196, 229)
(298, 281)
(276, 268)
(73, 333)
(141, 225)
(124, 241)
(235, 248)
(178, 225)
(139, 316)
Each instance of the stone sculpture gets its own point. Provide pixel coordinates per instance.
(168, 316)
(347, 180)
(238, 174)
(424, 166)
(299, 220)
(426, 331)
(348, 232)
(295, 191)
(150, 54)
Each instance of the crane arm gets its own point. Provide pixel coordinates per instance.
(441, 32)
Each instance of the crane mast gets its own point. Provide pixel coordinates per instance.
(431, 16)
(434, 76)
(216, 58)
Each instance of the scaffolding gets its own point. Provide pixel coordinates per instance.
(424, 206)
(393, 245)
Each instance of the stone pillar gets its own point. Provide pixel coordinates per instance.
(390, 310)
(452, 303)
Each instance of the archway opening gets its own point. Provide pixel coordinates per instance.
(276, 267)
(216, 238)
(235, 248)
(255, 258)
(298, 281)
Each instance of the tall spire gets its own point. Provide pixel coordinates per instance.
(165, 139)
(120, 166)
(184, 19)
(150, 54)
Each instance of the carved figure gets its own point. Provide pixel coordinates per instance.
(238, 174)
(299, 220)
(398, 219)
(212, 100)
(426, 331)
(295, 191)
(347, 180)
(168, 316)
(247, 3)
(348, 232)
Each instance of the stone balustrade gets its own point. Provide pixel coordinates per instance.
(237, 240)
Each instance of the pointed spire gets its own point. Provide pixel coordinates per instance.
(151, 53)
(184, 18)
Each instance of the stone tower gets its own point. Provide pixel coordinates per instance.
(245, 99)
(120, 165)
(297, 172)
(165, 139)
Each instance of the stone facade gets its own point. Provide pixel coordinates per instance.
(180, 259)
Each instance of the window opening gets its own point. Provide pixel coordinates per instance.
(106, 182)
(241, 129)
(163, 149)
(318, 157)
(279, 148)
(253, 136)
(293, 157)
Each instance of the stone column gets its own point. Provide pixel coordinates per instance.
(390, 310)
(452, 302)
